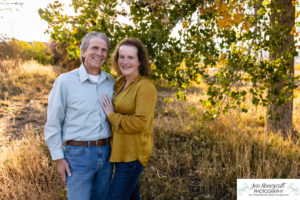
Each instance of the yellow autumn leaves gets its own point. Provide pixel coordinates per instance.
(292, 32)
(227, 15)
(182, 65)
(295, 2)
(230, 15)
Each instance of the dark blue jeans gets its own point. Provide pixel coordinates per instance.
(125, 183)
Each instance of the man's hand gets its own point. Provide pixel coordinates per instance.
(63, 167)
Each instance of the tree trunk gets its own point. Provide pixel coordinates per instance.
(279, 117)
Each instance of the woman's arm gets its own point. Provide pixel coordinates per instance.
(145, 105)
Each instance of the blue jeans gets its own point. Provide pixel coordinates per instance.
(125, 183)
(91, 172)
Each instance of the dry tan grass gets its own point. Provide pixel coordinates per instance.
(192, 159)
(23, 96)
(27, 171)
(297, 67)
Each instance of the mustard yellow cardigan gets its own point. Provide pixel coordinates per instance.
(132, 120)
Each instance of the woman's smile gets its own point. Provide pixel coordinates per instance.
(128, 61)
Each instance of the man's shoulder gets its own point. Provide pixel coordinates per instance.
(71, 75)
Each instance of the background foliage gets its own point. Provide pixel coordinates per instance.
(188, 39)
(17, 50)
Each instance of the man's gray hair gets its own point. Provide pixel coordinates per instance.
(86, 40)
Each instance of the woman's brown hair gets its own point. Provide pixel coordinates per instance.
(144, 68)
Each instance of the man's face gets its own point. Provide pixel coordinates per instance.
(95, 55)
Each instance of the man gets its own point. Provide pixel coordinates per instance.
(75, 118)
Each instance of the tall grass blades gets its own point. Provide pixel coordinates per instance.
(26, 171)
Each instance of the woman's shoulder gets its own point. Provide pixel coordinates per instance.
(146, 82)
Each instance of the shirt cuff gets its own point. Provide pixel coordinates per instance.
(57, 154)
(114, 119)
(110, 114)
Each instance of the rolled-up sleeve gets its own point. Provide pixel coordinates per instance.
(55, 119)
(145, 105)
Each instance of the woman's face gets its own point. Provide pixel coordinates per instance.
(128, 61)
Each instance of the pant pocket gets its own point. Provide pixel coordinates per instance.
(75, 150)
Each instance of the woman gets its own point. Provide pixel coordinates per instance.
(131, 115)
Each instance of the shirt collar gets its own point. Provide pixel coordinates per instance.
(102, 77)
(138, 77)
(83, 75)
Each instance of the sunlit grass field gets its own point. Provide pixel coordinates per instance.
(192, 159)
(297, 67)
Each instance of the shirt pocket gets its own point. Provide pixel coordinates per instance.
(82, 102)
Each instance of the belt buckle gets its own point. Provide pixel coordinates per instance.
(96, 143)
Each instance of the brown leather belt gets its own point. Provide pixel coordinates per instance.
(100, 142)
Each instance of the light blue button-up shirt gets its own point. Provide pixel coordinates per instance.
(74, 110)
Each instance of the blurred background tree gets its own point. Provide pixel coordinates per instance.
(243, 42)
